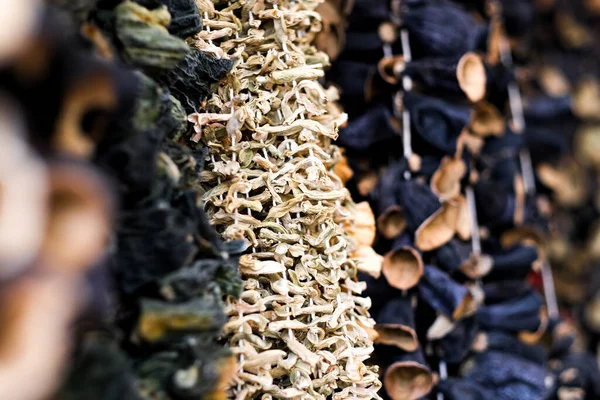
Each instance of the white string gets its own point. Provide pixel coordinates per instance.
(406, 81)
(514, 94)
(323, 226)
(516, 108)
(387, 51)
(472, 206)
(443, 370)
(212, 159)
(208, 28)
(241, 345)
(527, 169)
(234, 154)
(407, 86)
(406, 135)
(235, 222)
(443, 376)
(549, 291)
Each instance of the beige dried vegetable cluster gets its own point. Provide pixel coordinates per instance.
(301, 329)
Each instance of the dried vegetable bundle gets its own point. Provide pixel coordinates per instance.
(172, 271)
(147, 295)
(457, 164)
(301, 329)
(562, 110)
(57, 208)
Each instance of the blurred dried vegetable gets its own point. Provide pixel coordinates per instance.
(479, 173)
(143, 283)
(57, 208)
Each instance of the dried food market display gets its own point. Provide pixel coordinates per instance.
(468, 163)
(177, 220)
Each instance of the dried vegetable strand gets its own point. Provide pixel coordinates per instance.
(168, 270)
(300, 329)
(459, 160)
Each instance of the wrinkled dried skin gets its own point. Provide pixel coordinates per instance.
(586, 103)
(568, 182)
(440, 327)
(400, 336)
(480, 343)
(368, 261)
(445, 182)
(332, 37)
(532, 338)
(79, 222)
(407, 380)
(392, 222)
(463, 223)
(587, 145)
(477, 266)
(367, 183)
(95, 92)
(554, 82)
(18, 26)
(439, 228)
(363, 227)
(471, 142)
(343, 170)
(275, 180)
(520, 200)
(571, 32)
(570, 393)
(526, 235)
(403, 268)
(495, 37)
(486, 120)
(467, 307)
(470, 73)
(391, 68)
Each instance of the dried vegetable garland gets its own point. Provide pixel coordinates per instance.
(150, 291)
(171, 269)
(57, 207)
(442, 148)
(562, 108)
(301, 328)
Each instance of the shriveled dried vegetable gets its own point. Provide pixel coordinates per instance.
(448, 141)
(301, 329)
(154, 299)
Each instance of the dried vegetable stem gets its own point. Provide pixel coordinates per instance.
(301, 329)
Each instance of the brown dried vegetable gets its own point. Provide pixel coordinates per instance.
(301, 329)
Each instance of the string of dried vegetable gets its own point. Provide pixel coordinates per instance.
(301, 328)
(453, 159)
(155, 297)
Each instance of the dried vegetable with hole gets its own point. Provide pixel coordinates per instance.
(454, 144)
